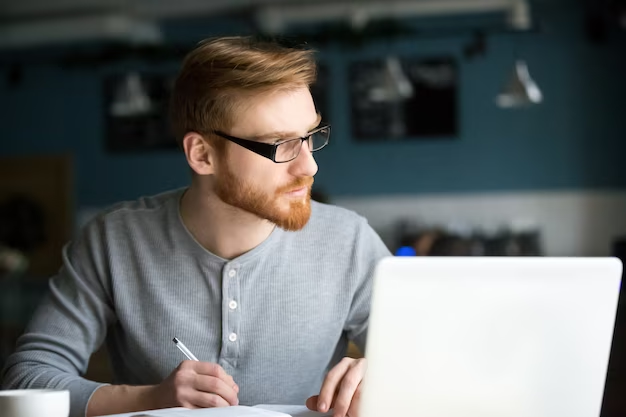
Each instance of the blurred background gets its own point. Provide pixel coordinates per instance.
(459, 127)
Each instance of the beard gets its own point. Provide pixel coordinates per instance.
(243, 195)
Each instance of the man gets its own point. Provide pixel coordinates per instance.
(264, 286)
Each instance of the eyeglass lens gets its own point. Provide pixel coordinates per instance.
(291, 149)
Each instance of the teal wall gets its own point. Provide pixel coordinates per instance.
(576, 139)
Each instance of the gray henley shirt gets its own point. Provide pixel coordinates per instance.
(275, 318)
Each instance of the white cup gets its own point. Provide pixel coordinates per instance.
(34, 403)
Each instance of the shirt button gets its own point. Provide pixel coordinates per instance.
(232, 273)
(232, 305)
(232, 337)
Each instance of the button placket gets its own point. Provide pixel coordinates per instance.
(231, 316)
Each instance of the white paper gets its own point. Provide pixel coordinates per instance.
(293, 410)
(234, 411)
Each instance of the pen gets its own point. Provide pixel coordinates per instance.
(184, 349)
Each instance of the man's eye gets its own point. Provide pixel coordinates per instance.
(279, 141)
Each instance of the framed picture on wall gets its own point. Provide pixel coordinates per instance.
(404, 99)
(136, 112)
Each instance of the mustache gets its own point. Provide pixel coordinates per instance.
(296, 184)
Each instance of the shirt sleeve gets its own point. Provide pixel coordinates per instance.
(369, 249)
(68, 326)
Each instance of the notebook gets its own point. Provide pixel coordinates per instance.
(490, 337)
(262, 410)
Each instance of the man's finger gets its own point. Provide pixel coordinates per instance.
(331, 384)
(213, 385)
(348, 387)
(206, 400)
(353, 411)
(214, 369)
(311, 403)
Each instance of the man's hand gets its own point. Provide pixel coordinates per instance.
(195, 384)
(341, 389)
(192, 384)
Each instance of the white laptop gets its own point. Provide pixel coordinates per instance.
(490, 337)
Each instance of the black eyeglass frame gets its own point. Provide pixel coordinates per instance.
(268, 150)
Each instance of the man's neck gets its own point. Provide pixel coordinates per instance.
(224, 230)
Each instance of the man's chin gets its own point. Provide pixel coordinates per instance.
(292, 226)
(295, 219)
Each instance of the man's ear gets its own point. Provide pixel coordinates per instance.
(201, 156)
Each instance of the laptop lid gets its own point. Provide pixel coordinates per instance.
(490, 337)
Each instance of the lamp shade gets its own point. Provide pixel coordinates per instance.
(393, 85)
(521, 90)
(130, 98)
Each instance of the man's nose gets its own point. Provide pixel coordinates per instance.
(304, 165)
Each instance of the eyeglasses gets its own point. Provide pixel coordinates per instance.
(284, 150)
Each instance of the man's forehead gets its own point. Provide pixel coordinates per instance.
(286, 112)
(285, 134)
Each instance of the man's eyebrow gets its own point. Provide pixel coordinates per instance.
(287, 135)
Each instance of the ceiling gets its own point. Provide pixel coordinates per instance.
(26, 23)
(35, 22)
(27, 9)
